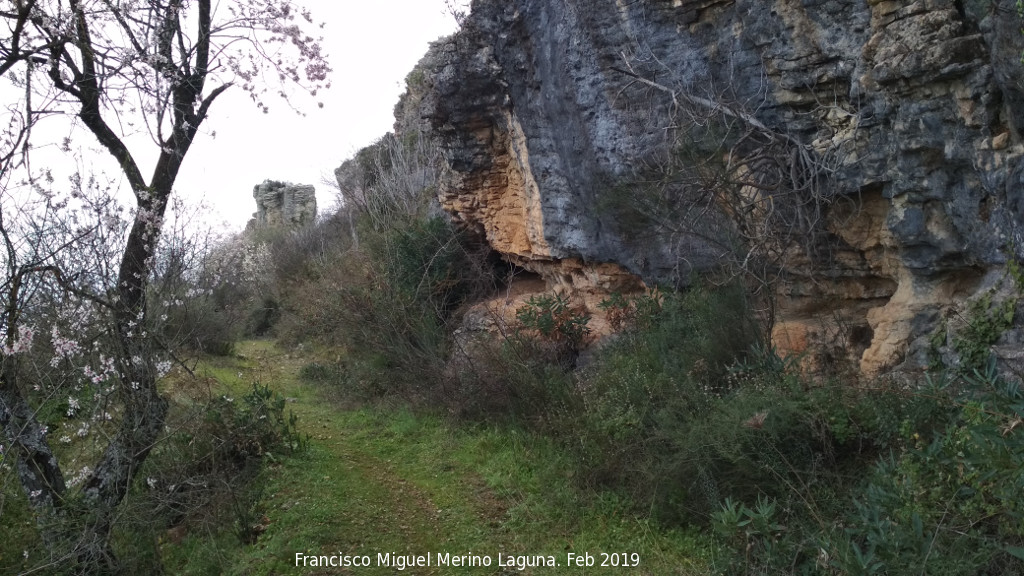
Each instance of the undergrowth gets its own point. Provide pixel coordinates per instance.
(688, 419)
(210, 472)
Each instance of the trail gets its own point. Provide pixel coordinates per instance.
(376, 482)
(368, 485)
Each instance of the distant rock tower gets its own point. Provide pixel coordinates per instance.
(283, 204)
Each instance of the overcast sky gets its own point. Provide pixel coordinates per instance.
(372, 46)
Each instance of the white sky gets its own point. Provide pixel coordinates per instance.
(372, 45)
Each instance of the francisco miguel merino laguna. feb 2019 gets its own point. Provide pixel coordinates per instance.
(445, 559)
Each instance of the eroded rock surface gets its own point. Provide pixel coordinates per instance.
(552, 113)
(283, 204)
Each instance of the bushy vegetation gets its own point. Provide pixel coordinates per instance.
(388, 304)
(941, 498)
(68, 365)
(203, 293)
(209, 473)
(386, 283)
(684, 419)
(663, 370)
(687, 416)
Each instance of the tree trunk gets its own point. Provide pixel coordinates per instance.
(145, 411)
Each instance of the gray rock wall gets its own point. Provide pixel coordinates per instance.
(550, 111)
(283, 204)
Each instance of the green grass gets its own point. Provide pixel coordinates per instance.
(379, 481)
(20, 547)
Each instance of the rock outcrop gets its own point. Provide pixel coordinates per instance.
(867, 153)
(282, 204)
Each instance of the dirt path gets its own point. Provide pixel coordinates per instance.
(368, 485)
(388, 482)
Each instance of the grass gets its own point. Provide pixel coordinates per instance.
(20, 547)
(378, 481)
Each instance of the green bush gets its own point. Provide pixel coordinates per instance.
(559, 328)
(389, 303)
(952, 505)
(209, 468)
(396, 339)
(986, 322)
(426, 261)
(650, 388)
(263, 317)
(323, 373)
(202, 299)
(388, 293)
(944, 498)
(554, 319)
(686, 408)
(538, 388)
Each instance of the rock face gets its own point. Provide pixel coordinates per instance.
(283, 204)
(867, 153)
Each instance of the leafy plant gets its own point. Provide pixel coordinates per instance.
(986, 322)
(951, 505)
(618, 309)
(943, 499)
(755, 530)
(646, 400)
(554, 319)
(637, 311)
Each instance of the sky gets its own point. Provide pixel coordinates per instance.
(372, 46)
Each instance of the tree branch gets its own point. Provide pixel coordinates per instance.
(88, 94)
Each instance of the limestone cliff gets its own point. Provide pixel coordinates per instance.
(283, 204)
(866, 154)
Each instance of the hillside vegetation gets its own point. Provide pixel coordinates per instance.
(683, 438)
(385, 384)
(365, 422)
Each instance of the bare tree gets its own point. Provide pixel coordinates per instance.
(21, 44)
(112, 65)
(753, 191)
(391, 179)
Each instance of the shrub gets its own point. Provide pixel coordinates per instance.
(687, 408)
(202, 324)
(554, 319)
(322, 373)
(263, 317)
(203, 298)
(664, 372)
(941, 499)
(537, 388)
(208, 471)
(428, 262)
(560, 328)
(951, 504)
(388, 295)
(986, 322)
(389, 303)
(619, 311)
